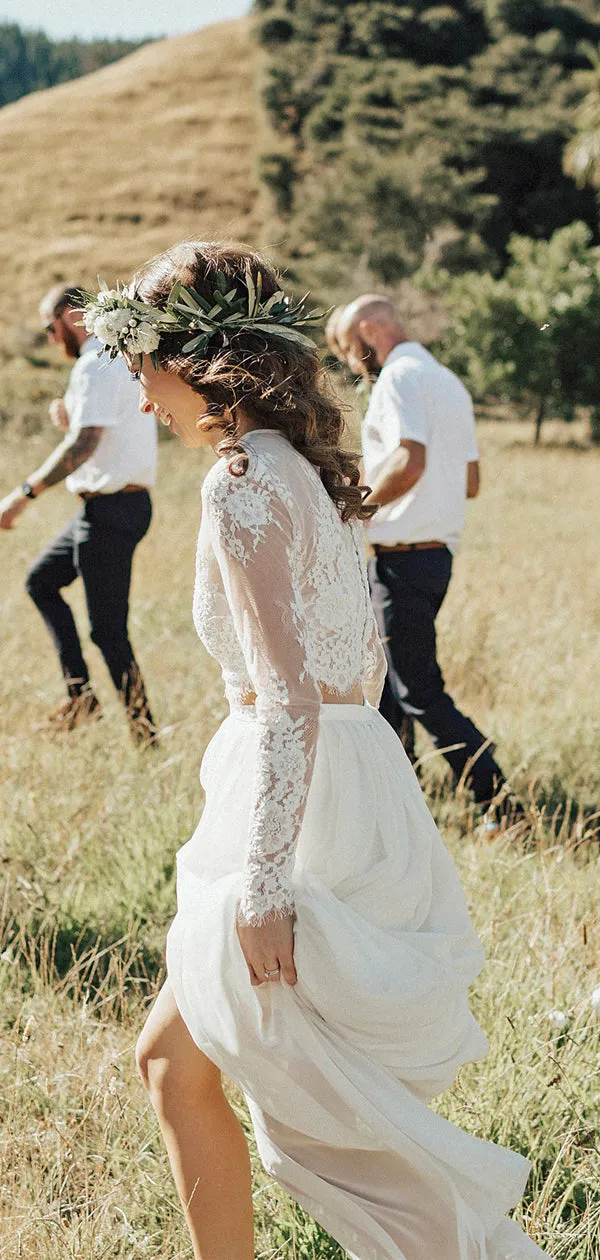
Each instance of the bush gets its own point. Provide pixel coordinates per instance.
(471, 113)
(328, 121)
(524, 17)
(532, 335)
(450, 39)
(278, 172)
(274, 32)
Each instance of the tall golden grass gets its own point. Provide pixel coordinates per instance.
(89, 830)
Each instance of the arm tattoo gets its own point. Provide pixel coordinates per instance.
(68, 456)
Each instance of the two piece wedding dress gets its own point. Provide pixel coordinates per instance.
(315, 808)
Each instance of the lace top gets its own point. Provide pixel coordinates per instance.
(282, 602)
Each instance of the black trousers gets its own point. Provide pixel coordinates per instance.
(97, 545)
(408, 589)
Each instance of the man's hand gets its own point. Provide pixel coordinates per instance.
(73, 451)
(11, 507)
(473, 479)
(59, 414)
(398, 473)
(269, 947)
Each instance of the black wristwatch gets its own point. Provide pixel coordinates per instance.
(28, 490)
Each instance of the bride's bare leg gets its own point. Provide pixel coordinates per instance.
(206, 1145)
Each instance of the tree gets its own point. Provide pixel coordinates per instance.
(406, 120)
(30, 61)
(531, 337)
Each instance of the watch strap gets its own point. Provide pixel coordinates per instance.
(28, 490)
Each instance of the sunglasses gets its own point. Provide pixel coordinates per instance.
(50, 328)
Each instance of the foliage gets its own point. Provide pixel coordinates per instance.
(29, 61)
(531, 336)
(416, 127)
(278, 172)
(125, 325)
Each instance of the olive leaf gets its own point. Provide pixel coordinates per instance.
(188, 311)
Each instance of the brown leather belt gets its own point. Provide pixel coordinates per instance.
(416, 546)
(99, 494)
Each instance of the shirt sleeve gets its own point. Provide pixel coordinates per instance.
(93, 395)
(472, 447)
(402, 403)
(251, 534)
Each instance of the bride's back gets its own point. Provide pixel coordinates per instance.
(275, 513)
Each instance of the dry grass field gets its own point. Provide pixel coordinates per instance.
(90, 830)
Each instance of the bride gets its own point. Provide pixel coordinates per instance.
(321, 952)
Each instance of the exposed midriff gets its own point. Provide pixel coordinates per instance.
(329, 697)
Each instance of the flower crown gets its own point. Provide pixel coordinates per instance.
(125, 325)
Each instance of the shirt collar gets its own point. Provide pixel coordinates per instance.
(90, 343)
(403, 347)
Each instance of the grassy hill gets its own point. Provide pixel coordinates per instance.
(100, 173)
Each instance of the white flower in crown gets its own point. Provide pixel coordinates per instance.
(143, 339)
(124, 324)
(110, 326)
(107, 297)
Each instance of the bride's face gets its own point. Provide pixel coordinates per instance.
(174, 403)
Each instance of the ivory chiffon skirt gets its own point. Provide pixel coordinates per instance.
(338, 1070)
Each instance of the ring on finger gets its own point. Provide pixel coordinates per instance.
(274, 971)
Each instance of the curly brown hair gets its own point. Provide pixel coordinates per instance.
(277, 383)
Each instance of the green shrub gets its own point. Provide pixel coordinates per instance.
(273, 32)
(471, 103)
(531, 336)
(278, 172)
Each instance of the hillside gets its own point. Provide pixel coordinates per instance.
(100, 173)
(404, 133)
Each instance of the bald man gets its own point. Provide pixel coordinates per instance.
(331, 333)
(421, 462)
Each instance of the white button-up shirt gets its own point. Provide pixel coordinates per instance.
(102, 393)
(416, 398)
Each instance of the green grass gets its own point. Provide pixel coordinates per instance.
(89, 831)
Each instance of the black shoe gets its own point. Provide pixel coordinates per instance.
(504, 815)
(143, 731)
(73, 712)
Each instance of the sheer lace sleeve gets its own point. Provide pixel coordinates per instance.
(256, 547)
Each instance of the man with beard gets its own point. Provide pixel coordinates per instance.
(108, 458)
(421, 462)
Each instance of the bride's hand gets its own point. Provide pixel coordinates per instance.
(269, 947)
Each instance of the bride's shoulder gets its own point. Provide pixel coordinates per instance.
(248, 492)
